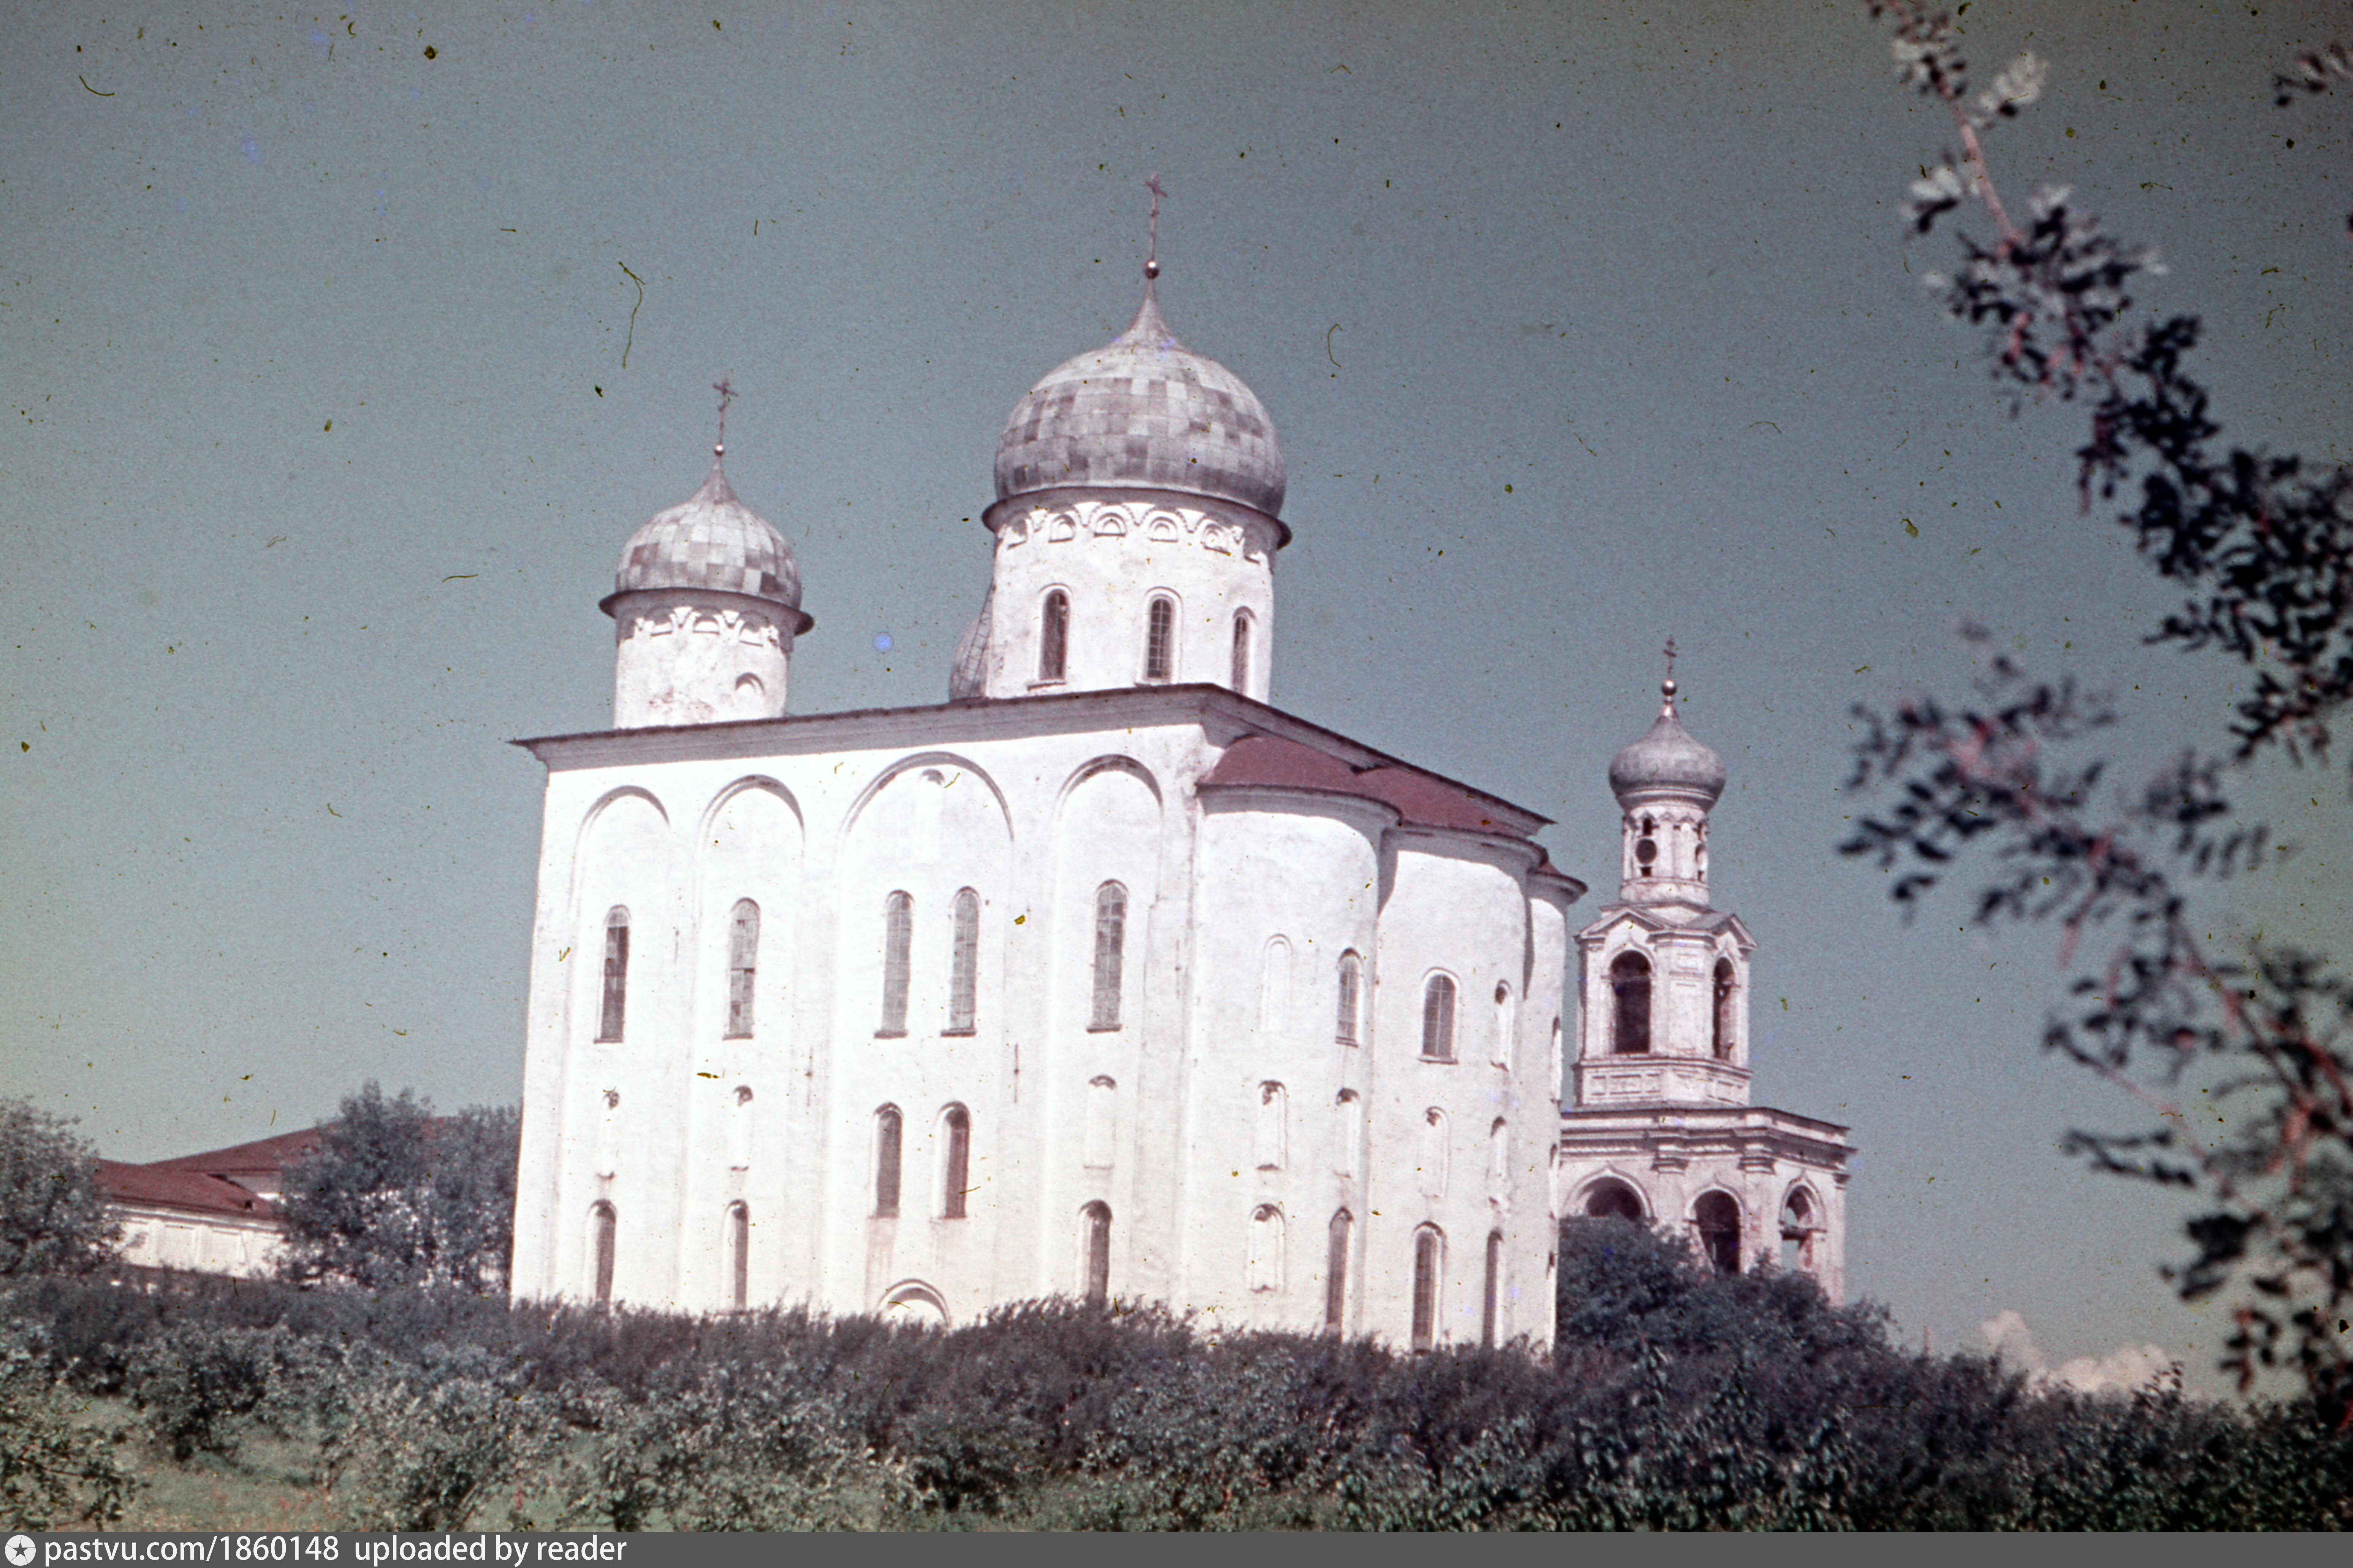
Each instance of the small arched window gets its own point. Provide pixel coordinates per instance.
(1630, 985)
(888, 1129)
(1499, 1158)
(1490, 1300)
(1723, 1010)
(602, 1224)
(1054, 637)
(963, 965)
(1801, 1226)
(1434, 1153)
(1242, 651)
(743, 966)
(1160, 639)
(1352, 984)
(897, 952)
(1613, 1200)
(1429, 1263)
(613, 1015)
(739, 1255)
(1102, 1110)
(1111, 946)
(1501, 1052)
(739, 1129)
(1266, 1248)
(1352, 1131)
(1274, 988)
(1094, 1222)
(1437, 1019)
(1717, 1216)
(956, 1169)
(1273, 1111)
(1336, 1272)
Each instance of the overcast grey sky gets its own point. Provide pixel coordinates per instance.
(1581, 326)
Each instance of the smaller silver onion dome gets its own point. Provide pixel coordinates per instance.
(1143, 411)
(1667, 759)
(711, 540)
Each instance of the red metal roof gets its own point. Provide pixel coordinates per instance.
(171, 1187)
(1422, 800)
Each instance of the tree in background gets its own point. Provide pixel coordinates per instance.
(52, 1217)
(395, 1198)
(2262, 546)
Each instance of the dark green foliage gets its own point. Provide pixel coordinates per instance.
(52, 1217)
(393, 1197)
(1740, 1404)
(54, 1471)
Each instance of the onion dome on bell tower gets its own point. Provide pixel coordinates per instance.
(705, 606)
(1139, 496)
(1666, 783)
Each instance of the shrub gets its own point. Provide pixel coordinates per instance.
(53, 1470)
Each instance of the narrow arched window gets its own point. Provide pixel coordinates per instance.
(1054, 637)
(1102, 1108)
(1717, 1217)
(1800, 1228)
(1429, 1261)
(1336, 1272)
(1490, 1300)
(1274, 988)
(1266, 1248)
(898, 946)
(739, 1130)
(1095, 1236)
(887, 1128)
(1723, 1010)
(1434, 1153)
(1499, 1158)
(602, 1224)
(1351, 1111)
(1273, 1111)
(1352, 982)
(963, 965)
(739, 1255)
(1500, 1051)
(1242, 651)
(1111, 944)
(1437, 1019)
(611, 1016)
(743, 966)
(1160, 639)
(955, 1170)
(1630, 985)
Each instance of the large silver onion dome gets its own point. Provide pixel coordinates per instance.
(1143, 411)
(713, 540)
(1667, 759)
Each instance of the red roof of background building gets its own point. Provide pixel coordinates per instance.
(1422, 800)
(181, 1189)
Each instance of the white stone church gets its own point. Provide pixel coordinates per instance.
(1105, 978)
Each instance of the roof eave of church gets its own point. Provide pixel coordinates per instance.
(1215, 707)
(1048, 497)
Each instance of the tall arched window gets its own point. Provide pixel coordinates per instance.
(1437, 1019)
(1428, 1262)
(956, 1169)
(743, 966)
(1500, 1051)
(1717, 1215)
(739, 1255)
(1274, 988)
(1352, 984)
(1111, 945)
(1490, 1301)
(1723, 1010)
(1434, 1153)
(1351, 1112)
(602, 1224)
(1096, 1233)
(1054, 637)
(1266, 1248)
(1335, 1273)
(1499, 1158)
(1160, 639)
(963, 965)
(888, 1129)
(1242, 651)
(1273, 1112)
(1102, 1109)
(611, 1016)
(1630, 985)
(898, 949)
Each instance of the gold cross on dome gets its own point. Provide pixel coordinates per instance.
(1152, 253)
(726, 392)
(1670, 658)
